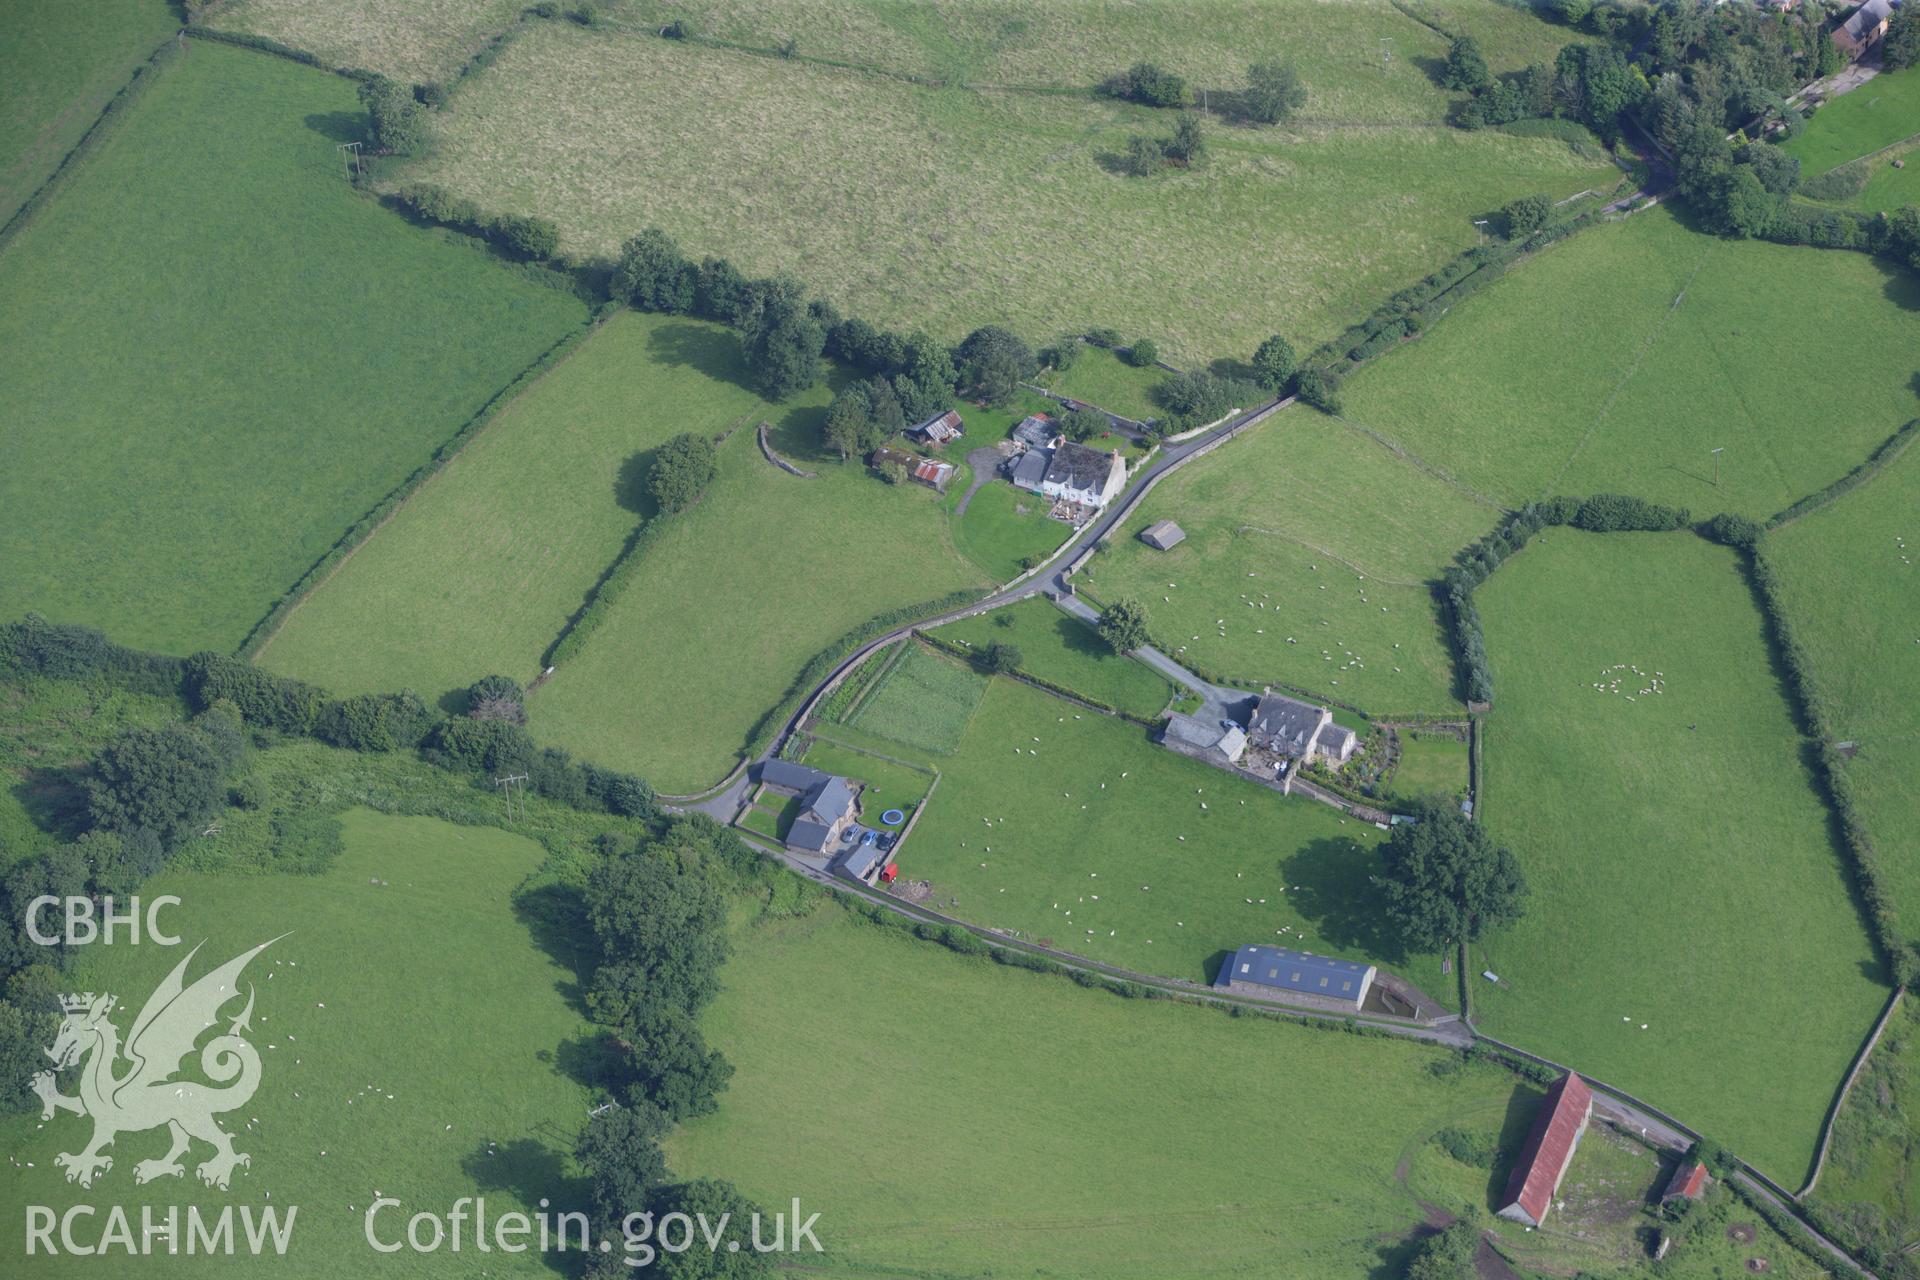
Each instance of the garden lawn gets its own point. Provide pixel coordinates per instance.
(1617, 360)
(1681, 825)
(975, 207)
(1100, 377)
(1308, 556)
(1129, 1154)
(925, 700)
(1004, 530)
(370, 993)
(60, 65)
(1059, 648)
(1047, 807)
(480, 571)
(410, 40)
(1851, 585)
(220, 357)
(1880, 112)
(890, 784)
(734, 598)
(1431, 764)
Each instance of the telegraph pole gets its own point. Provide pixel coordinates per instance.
(349, 158)
(1386, 53)
(1716, 465)
(506, 790)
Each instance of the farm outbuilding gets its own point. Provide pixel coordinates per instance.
(1036, 431)
(1163, 535)
(939, 429)
(827, 803)
(1298, 977)
(1218, 742)
(1689, 1182)
(1543, 1162)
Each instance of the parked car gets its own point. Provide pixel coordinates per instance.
(867, 837)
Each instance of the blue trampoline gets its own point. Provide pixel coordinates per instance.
(893, 817)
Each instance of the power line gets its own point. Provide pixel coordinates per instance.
(506, 785)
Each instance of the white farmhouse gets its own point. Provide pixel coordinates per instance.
(1087, 476)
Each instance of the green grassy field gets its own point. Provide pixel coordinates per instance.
(1057, 647)
(1310, 546)
(1852, 590)
(1005, 529)
(961, 190)
(1565, 376)
(48, 731)
(1872, 1176)
(483, 567)
(1883, 111)
(256, 357)
(59, 66)
(1073, 827)
(734, 598)
(873, 1081)
(1098, 376)
(410, 40)
(380, 1072)
(1074, 43)
(925, 700)
(1431, 764)
(1682, 867)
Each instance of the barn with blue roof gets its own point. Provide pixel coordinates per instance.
(1297, 977)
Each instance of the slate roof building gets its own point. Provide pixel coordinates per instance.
(862, 863)
(1298, 977)
(1218, 742)
(938, 429)
(827, 804)
(1083, 475)
(1030, 468)
(1163, 535)
(1549, 1149)
(1863, 28)
(1036, 431)
(1298, 730)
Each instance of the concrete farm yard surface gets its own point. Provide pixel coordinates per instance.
(887, 195)
(218, 358)
(968, 1156)
(1683, 875)
(373, 993)
(1619, 358)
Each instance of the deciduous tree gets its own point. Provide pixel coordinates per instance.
(1445, 879)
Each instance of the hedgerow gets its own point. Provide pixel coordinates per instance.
(1891, 448)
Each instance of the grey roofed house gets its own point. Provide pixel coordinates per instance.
(1284, 724)
(1031, 468)
(829, 800)
(790, 776)
(1864, 26)
(1282, 970)
(860, 863)
(809, 835)
(1163, 535)
(1214, 741)
(1336, 741)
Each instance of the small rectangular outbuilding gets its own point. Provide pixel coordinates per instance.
(1689, 1182)
(939, 429)
(1163, 535)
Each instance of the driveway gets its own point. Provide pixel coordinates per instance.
(985, 463)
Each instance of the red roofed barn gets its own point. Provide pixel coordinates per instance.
(1688, 1181)
(1543, 1161)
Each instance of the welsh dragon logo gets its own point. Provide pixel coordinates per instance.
(147, 1094)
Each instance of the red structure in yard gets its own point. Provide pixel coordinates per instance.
(1689, 1180)
(1550, 1145)
(888, 873)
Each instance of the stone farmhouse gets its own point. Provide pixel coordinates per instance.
(1299, 730)
(1297, 977)
(1086, 476)
(1549, 1149)
(827, 804)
